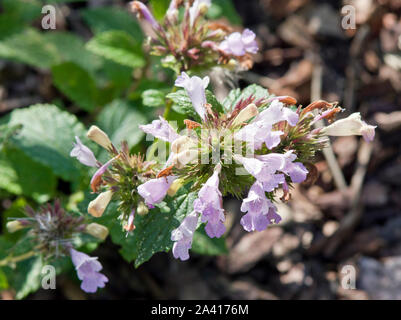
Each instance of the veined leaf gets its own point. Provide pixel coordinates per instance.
(47, 136)
(72, 48)
(205, 245)
(153, 98)
(21, 175)
(153, 231)
(76, 83)
(112, 18)
(118, 46)
(28, 277)
(182, 103)
(30, 47)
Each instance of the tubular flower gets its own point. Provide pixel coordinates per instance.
(160, 129)
(260, 211)
(260, 131)
(195, 88)
(88, 271)
(155, 190)
(183, 235)
(210, 205)
(238, 44)
(83, 154)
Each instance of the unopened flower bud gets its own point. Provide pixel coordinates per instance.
(175, 186)
(142, 209)
(185, 157)
(13, 226)
(97, 230)
(247, 113)
(203, 8)
(96, 207)
(100, 137)
(182, 144)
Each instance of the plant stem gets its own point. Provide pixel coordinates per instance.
(10, 259)
(169, 104)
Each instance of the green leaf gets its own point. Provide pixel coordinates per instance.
(3, 280)
(159, 8)
(112, 18)
(27, 277)
(182, 103)
(30, 47)
(47, 136)
(21, 175)
(153, 98)
(118, 46)
(236, 95)
(203, 244)
(72, 48)
(17, 14)
(153, 231)
(76, 83)
(120, 120)
(216, 105)
(224, 8)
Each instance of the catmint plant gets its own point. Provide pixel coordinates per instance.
(260, 146)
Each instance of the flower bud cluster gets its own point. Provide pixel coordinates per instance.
(116, 179)
(189, 41)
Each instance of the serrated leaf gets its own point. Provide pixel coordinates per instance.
(71, 48)
(203, 244)
(120, 120)
(27, 278)
(216, 105)
(30, 47)
(47, 136)
(21, 175)
(237, 95)
(76, 83)
(153, 231)
(118, 46)
(112, 18)
(182, 103)
(153, 98)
